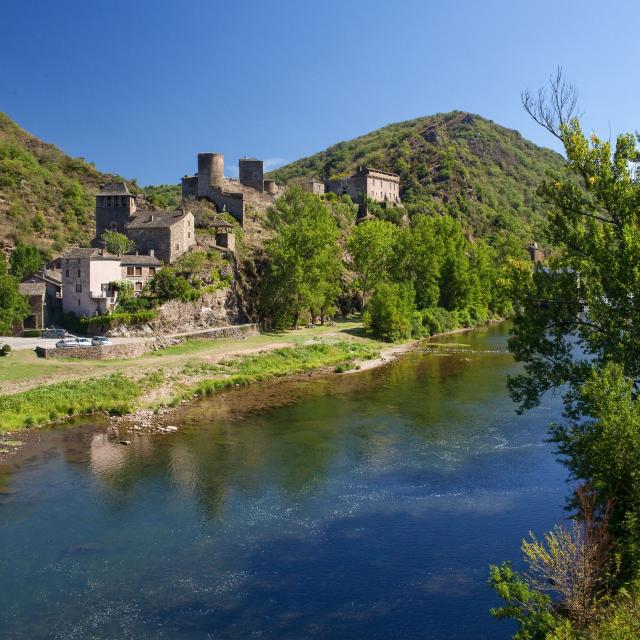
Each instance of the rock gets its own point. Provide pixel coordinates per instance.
(171, 428)
(125, 441)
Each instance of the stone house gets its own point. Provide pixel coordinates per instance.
(376, 185)
(137, 269)
(36, 293)
(168, 234)
(87, 275)
(535, 253)
(51, 280)
(225, 237)
(115, 206)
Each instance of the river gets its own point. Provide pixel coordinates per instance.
(361, 506)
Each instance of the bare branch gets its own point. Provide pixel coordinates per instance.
(554, 106)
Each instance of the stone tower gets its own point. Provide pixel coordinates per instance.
(252, 173)
(210, 172)
(114, 207)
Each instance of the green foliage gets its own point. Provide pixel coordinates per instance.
(117, 243)
(438, 320)
(389, 314)
(371, 248)
(304, 260)
(530, 608)
(130, 319)
(5, 350)
(25, 260)
(14, 307)
(453, 163)
(50, 195)
(166, 285)
(164, 196)
(57, 401)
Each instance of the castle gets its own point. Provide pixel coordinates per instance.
(227, 194)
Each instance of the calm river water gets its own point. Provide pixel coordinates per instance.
(364, 506)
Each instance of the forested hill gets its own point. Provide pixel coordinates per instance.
(455, 163)
(46, 196)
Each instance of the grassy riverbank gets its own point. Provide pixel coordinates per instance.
(179, 373)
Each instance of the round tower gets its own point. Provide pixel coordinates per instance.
(210, 172)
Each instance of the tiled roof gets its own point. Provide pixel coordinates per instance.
(156, 219)
(114, 189)
(93, 253)
(144, 261)
(221, 224)
(32, 288)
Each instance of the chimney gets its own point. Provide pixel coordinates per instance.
(152, 252)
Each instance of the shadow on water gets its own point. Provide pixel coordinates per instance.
(364, 505)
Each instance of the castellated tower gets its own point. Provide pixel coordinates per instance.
(210, 172)
(114, 207)
(252, 173)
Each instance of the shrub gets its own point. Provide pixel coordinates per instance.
(6, 350)
(438, 320)
(389, 314)
(31, 333)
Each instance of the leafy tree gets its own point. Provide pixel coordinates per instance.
(14, 307)
(304, 259)
(166, 285)
(389, 314)
(117, 243)
(371, 248)
(25, 260)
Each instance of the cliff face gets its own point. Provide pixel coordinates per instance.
(455, 163)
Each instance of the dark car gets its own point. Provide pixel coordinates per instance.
(54, 333)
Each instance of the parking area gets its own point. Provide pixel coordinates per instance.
(19, 344)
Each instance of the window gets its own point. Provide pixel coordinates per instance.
(79, 273)
(188, 234)
(78, 288)
(138, 286)
(138, 271)
(78, 301)
(108, 201)
(152, 271)
(177, 247)
(129, 271)
(66, 273)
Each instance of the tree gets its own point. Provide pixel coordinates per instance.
(14, 307)
(117, 243)
(166, 285)
(25, 260)
(371, 248)
(577, 326)
(389, 314)
(304, 259)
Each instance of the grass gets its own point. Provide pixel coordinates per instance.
(120, 393)
(240, 372)
(53, 403)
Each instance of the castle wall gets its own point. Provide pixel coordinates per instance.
(190, 187)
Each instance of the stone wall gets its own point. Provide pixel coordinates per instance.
(108, 352)
(156, 239)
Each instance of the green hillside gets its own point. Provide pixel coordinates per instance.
(455, 163)
(47, 197)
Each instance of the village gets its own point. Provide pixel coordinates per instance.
(84, 281)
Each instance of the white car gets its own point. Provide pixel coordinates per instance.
(101, 341)
(67, 342)
(83, 342)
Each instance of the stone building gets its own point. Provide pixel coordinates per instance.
(535, 253)
(168, 234)
(87, 275)
(314, 186)
(137, 269)
(376, 185)
(36, 293)
(228, 194)
(115, 206)
(225, 237)
(51, 280)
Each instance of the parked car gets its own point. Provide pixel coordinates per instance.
(100, 341)
(84, 342)
(54, 333)
(67, 342)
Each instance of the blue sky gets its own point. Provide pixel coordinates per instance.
(141, 86)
